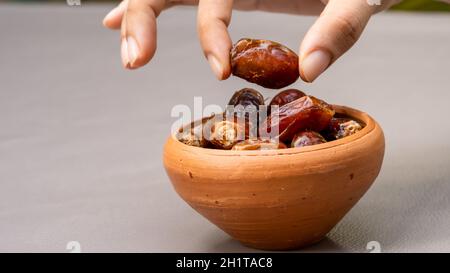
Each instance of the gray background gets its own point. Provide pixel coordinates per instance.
(81, 138)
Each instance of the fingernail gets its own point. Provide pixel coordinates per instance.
(314, 64)
(215, 66)
(124, 53)
(133, 50)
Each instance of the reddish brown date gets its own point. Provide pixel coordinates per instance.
(266, 63)
(247, 97)
(285, 97)
(307, 138)
(246, 103)
(305, 113)
(258, 145)
(342, 127)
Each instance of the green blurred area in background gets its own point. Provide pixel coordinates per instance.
(411, 5)
(422, 5)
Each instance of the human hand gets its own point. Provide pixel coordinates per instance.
(338, 27)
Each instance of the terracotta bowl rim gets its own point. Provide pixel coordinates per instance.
(370, 123)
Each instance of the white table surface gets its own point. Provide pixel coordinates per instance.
(81, 138)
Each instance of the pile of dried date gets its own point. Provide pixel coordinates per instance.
(291, 119)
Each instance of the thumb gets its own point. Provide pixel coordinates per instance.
(335, 31)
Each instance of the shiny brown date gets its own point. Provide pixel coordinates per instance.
(307, 138)
(247, 97)
(247, 103)
(285, 97)
(263, 62)
(342, 127)
(258, 145)
(305, 113)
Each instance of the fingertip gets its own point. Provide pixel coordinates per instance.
(139, 30)
(314, 64)
(212, 23)
(106, 22)
(335, 31)
(220, 68)
(124, 53)
(113, 19)
(216, 45)
(139, 56)
(226, 74)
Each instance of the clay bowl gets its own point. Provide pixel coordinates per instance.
(278, 199)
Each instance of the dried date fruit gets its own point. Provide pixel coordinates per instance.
(247, 97)
(342, 127)
(224, 134)
(263, 62)
(307, 138)
(225, 130)
(258, 144)
(192, 139)
(285, 97)
(305, 113)
(192, 134)
(246, 103)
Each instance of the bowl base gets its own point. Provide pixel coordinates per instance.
(282, 246)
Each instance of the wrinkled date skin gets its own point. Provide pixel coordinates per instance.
(342, 127)
(247, 102)
(263, 62)
(224, 131)
(258, 145)
(305, 113)
(247, 97)
(192, 134)
(285, 97)
(307, 138)
(224, 134)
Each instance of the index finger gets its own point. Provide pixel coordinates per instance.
(212, 22)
